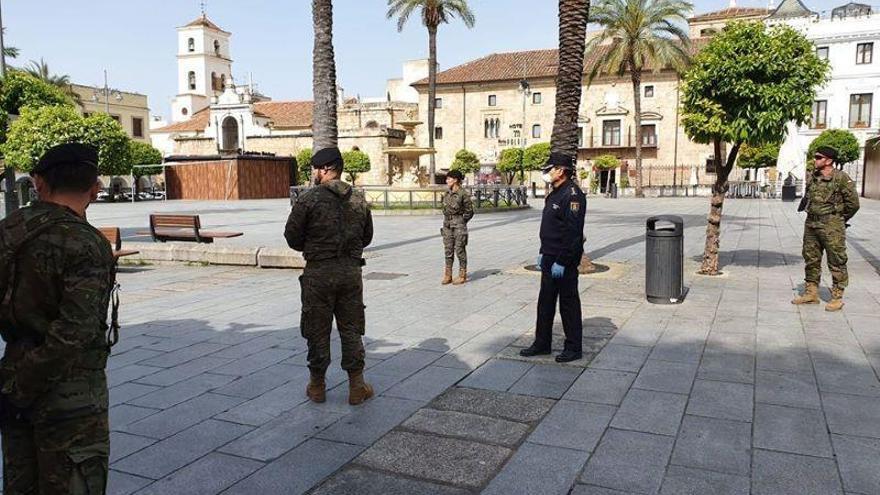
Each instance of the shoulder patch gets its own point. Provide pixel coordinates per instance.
(575, 206)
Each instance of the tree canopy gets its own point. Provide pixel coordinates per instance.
(606, 162)
(465, 162)
(842, 140)
(761, 156)
(304, 165)
(39, 129)
(536, 156)
(19, 89)
(141, 153)
(355, 162)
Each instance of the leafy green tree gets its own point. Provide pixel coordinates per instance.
(433, 13)
(39, 129)
(466, 162)
(536, 156)
(141, 153)
(639, 34)
(743, 88)
(606, 162)
(41, 71)
(760, 156)
(510, 162)
(842, 140)
(355, 162)
(304, 165)
(19, 89)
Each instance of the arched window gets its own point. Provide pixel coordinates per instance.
(191, 45)
(216, 47)
(497, 127)
(230, 134)
(486, 128)
(191, 78)
(214, 81)
(222, 82)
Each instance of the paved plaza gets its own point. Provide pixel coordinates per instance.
(734, 391)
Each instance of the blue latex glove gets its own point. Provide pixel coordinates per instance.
(540, 260)
(557, 271)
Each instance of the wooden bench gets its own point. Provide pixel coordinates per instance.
(182, 228)
(115, 240)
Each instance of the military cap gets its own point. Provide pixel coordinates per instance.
(559, 160)
(456, 174)
(66, 155)
(326, 157)
(827, 152)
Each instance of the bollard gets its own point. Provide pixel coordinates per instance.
(664, 260)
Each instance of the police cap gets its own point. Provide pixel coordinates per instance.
(456, 174)
(65, 155)
(326, 157)
(827, 152)
(559, 160)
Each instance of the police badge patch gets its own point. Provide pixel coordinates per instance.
(575, 206)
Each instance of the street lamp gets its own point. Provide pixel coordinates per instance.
(106, 92)
(526, 92)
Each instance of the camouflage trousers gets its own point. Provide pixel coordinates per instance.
(333, 288)
(61, 445)
(455, 239)
(828, 236)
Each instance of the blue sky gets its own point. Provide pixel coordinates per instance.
(136, 40)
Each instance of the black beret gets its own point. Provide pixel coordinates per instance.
(828, 152)
(456, 174)
(66, 155)
(325, 157)
(560, 160)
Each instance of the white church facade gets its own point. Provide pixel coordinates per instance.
(214, 115)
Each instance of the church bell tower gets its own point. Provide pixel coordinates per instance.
(204, 66)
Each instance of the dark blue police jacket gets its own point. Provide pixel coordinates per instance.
(562, 226)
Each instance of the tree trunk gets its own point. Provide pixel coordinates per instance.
(637, 103)
(324, 130)
(570, 74)
(713, 225)
(432, 95)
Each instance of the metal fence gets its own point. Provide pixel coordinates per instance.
(484, 196)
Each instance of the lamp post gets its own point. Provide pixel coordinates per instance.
(106, 92)
(526, 91)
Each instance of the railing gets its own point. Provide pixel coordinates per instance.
(432, 198)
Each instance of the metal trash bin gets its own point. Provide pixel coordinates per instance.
(664, 260)
(789, 192)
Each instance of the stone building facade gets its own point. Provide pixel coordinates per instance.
(130, 109)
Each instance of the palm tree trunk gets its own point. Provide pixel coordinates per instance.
(432, 95)
(324, 128)
(569, 78)
(713, 225)
(637, 104)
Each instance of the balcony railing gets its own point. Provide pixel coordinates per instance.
(592, 139)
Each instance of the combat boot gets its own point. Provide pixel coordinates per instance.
(462, 277)
(358, 390)
(836, 302)
(810, 295)
(317, 388)
(447, 276)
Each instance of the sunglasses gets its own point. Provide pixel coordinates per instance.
(820, 157)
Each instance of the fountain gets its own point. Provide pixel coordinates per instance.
(404, 169)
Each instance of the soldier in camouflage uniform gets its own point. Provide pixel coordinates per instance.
(830, 201)
(458, 209)
(58, 274)
(331, 224)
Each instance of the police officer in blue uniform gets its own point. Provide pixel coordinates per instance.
(562, 245)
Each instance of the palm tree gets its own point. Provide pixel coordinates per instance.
(573, 16)
(40, 70)
(433, 13)
(324, 130)
(642, 34)
(10, 51)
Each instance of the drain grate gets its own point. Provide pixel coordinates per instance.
(383, 276)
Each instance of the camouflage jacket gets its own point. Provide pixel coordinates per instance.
(330, 221)
(458, 208)
(55, 316)
(832, 195)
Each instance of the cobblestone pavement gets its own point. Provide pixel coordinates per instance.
(733, 391)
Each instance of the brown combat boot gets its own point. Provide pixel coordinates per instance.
(447, 276)
(810, 295)
(317, 388)
(358, 390)
(462, 277)
(836, 302)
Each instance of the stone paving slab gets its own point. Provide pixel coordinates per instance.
(629, 461)
(459, 462)
(358, 481)
(527, 472)
(471, 426)
(494, 404)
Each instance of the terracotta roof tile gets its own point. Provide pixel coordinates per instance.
(203, 20)
(731, 13)
(514, 65)
(283, 114)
